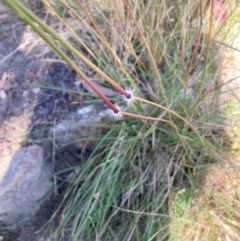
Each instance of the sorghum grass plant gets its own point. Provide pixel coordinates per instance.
(163, 59)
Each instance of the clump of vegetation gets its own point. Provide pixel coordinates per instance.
(142, 178)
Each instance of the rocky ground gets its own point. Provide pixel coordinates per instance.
(43, 116)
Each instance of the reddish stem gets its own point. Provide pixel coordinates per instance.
(103, 97)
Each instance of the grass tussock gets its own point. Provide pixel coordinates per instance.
(146, 179)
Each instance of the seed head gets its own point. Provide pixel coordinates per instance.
(129, 97)
(115, 114)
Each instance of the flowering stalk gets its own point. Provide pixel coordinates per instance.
(123, 113)
(146, 117)
(42, 29)
(166, 109)
(72, 64)
(102, 96)
(66, 44)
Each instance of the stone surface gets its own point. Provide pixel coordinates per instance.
(25, 181)
(85, 123)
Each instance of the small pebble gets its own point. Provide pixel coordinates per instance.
(3, 80)
(3, 94)
(25, 93)
(36, 90)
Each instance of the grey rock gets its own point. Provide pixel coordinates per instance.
(26, 180)
(82, 128)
